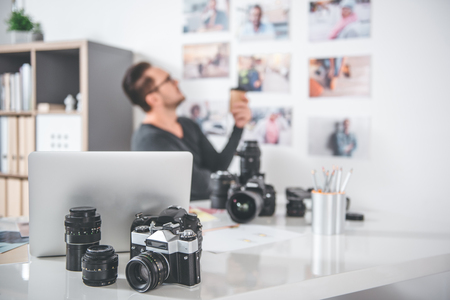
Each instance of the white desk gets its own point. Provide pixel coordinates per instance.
(384, 249)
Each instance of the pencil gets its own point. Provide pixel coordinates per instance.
(313, 172)
(338, 180)
(346, 180)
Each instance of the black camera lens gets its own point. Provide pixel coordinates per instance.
(220, 181)
(295, 208)
(99, 265)
(250, 160)
(244, 206)
(82, 231)
(147, 271)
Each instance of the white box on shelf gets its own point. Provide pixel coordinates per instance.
(58, 132)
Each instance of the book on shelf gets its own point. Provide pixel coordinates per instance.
(2, 197)
(12, 145)
(4, 145)
(16, 90)
(16, 143)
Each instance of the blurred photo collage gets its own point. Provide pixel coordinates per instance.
(331, 78)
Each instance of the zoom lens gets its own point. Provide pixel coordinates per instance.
(82, 231)
(250, 160)
(244, 206)
(147, 271)
(99, 265)
(220, 181)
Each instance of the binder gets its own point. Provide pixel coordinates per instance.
(12, 92)
(25, 198)
(30, 133)
(18, 91)
(12, 146)
(2, 93)
(13, 197)
(7, 91)
(22, 153)
(25, 72)
(4, 145)
(2, 197)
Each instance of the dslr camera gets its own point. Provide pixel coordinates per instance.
(165, 248)
(250, 197)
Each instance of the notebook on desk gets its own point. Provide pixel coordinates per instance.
(117, 184)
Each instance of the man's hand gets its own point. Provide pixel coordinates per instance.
(241, 112)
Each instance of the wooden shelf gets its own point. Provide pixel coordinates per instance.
(62, 112)
(13, 176)
(16, 114)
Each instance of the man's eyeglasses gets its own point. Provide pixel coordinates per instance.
(168, 79)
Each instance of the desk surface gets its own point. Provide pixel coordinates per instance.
(383, 249)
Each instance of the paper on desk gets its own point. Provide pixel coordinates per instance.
(7, 246)
(243, 236)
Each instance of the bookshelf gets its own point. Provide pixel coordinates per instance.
(104, 122)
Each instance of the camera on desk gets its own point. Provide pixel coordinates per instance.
(165, 248)
(251, 199)
(250, 196)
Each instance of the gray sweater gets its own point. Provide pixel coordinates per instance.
(206, 159)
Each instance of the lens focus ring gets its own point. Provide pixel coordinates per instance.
(99, 265)
(147, 271)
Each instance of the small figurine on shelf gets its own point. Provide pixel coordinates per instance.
(70, 103)
(79, 97)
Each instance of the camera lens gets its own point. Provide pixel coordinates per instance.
(147, 271)
(82, 231)
(220, 181)
(100, 265)
(244, 206)
(250, 160)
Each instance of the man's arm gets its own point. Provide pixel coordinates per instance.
(220, 161)
(214, 161)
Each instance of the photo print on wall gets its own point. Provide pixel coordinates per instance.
(339, 136)
(263, 19)
(264, 72)
(205, 15)
(339, 19)
(270, 125)
(339, 76)
(206, 60)
(211, 116)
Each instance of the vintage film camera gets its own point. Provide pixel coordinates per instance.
(250, 197)
(165, 248)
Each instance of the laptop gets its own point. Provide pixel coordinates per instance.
(118, 184)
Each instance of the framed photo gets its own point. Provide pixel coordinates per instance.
(339, 136)
(339, 77)
(205, 15)
(211, 116)
(206, 60)
(270, 125)
(339, 19)
(264, 72)
(263, 19)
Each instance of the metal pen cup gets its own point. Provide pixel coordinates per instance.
(324, 212)
(341, 203)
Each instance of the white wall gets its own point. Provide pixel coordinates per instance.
(410, 44)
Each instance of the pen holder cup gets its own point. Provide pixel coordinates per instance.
(328, 213)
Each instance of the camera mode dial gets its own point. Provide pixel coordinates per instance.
(188, 235)
(142, 228)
